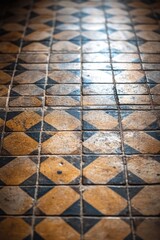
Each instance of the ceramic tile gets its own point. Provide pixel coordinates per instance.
(63, 66)
(96, 57)
(100, 228)
(66, 35)
(95, 46)
(97, 76)
(27, 90)
(123, 46)
(66, 46)
(29, 77)
(66, 58)
(54, 142)
(100, 120)
(32, 58)
(59, 170)
(49, 199)
(16, 200)
(145, 200)
(140, 120)
(21, 121)
(103, 200)
(62, 120)
(98, 89)
(147, 228)
(98, 66)
(144, 142)
(101, 142)
(99, 101)
(25, 101)
(58, 228)
(18, 170)
(65, 101)
(149, 47)
(9, 47)
(64, 76)
(125, 58)
(12, 143)
(103, 170)
(15, 228)
(132, 89)
(35, 46)
(143, 169)
(129, 77)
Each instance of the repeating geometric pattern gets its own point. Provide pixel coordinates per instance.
(13, 227)
(18, 170)
(49, 201)
(62, 120)
(58, 228)
(79, 120)
(59, 170)
(104, 169)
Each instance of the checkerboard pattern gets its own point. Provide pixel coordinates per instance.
(80, 120)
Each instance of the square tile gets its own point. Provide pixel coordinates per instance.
(101, 142)
(32, 58)
(49, 201)
(13, 226)
(147, 228)
(66, 142)
(64, 76)
(65, 58)
(19, 121)
(58, 228)
(103, 200)
(27, 90)
(143, 169)
(97, 89)
(146, 142)
(63, 66)
(12, 143)
(100, 120)
(18, 170)
(16, 200)
(96, 57)
(5, 77)
(145, 200)
(97, 76)
(103, 170)
(25, 101)
(66, 46)
(95, 46)
(140, 120)
(113, 228)
(29, 77)
(59, 170)
(62, 120)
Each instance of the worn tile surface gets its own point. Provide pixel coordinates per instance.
(79, 120)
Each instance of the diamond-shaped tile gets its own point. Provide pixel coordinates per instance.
(64, 77)
(50, 201)
(102, 200)
(143, 169)
(140, 120)
(19, 170)
(23, 121)
(20, 143)
(61, 143)
(101, 120)
(144, 142)
(58, 228)
(103, 170)
(16, 200)
(103, 228)
(145, 200)
(147, 228)
(66, 46)
(15, 228)
(62, 120)
(59, 170)
(26, 77)
(101, 142)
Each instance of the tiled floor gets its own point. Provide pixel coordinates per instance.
(80, 120)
